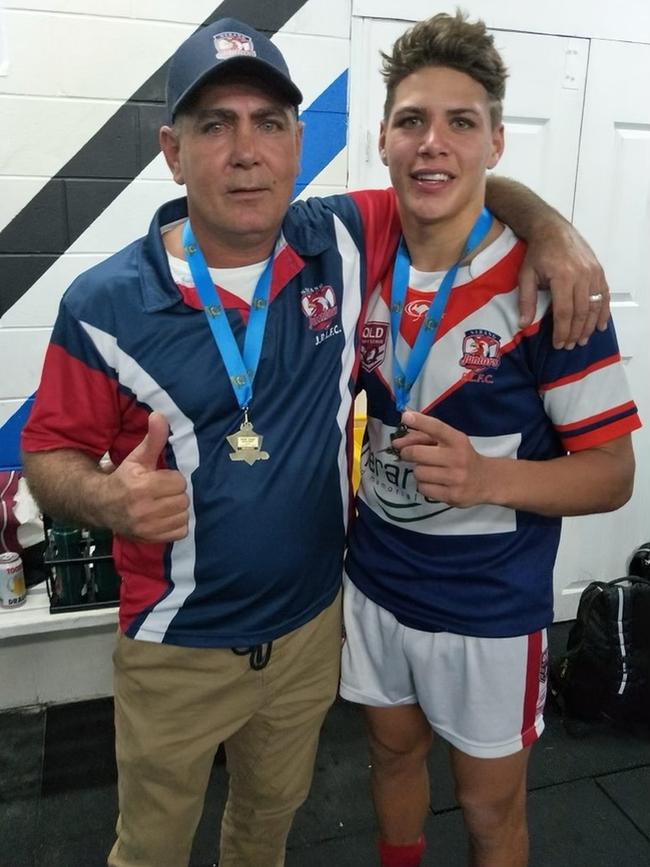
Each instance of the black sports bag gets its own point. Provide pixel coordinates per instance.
(605, 674)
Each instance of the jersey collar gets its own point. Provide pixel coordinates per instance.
(160, 292)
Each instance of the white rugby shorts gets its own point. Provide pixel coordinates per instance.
(485, 696)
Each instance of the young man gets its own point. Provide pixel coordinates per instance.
(215, 360)
(451, 556)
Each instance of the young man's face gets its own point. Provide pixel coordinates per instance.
(238, 154)
(438, 142)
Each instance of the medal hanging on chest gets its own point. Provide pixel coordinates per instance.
(247, 444)
(405, 377)
(240, 366)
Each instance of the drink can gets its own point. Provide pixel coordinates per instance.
(12, 581)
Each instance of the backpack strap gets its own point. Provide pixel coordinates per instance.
(631, 579)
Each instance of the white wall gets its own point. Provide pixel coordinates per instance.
(597, 19)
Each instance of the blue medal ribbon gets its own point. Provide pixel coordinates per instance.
(403, 379)
(241, 367)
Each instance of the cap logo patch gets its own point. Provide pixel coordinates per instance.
(233, 44)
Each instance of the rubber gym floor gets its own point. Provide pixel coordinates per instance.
(589, 794)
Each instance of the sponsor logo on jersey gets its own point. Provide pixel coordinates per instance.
(481, 350)
(373, 344)
(232, 44)
(319, 306)
(416, 309)
(395, 491)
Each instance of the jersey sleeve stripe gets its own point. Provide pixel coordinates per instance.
(96, 397)
(581, 374)
(614, 412)
(594, 399)
(596, 436)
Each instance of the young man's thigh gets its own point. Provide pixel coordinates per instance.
(485, 696)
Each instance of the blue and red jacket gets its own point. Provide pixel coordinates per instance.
(265, 546)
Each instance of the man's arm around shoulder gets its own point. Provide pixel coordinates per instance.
(558, 258)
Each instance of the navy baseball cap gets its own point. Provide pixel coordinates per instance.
(229, 45)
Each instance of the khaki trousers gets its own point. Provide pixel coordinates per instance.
(174, 706)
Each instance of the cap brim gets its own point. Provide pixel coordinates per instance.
(270, 78)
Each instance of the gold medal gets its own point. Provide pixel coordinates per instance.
(246, 444)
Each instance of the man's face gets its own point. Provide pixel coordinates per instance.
(238, 153)
(438, 143)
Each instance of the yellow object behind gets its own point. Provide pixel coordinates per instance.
(359, 428)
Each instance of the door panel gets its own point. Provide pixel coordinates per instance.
(613, 211)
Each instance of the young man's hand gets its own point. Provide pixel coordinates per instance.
(447, 468)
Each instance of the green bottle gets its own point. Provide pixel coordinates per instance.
(107, 581)
(69, 577)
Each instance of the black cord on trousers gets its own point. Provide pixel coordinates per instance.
(260, 655)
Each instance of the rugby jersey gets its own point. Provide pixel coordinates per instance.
(265, 545)
(485, 570)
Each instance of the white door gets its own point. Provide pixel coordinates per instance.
(612, 210)
(542, 110)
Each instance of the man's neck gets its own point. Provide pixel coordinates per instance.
(437, 246)
(218, 254)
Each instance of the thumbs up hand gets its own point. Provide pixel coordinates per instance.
(144, 502)
(146, 454)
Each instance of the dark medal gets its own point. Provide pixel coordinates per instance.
(400, 431)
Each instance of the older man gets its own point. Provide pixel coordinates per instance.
(215, 360)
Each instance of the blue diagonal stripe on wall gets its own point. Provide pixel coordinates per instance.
(325, 130)
(10, 437)
(325, 136)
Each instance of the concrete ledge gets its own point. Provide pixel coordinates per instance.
(34, 618)
(52, 658)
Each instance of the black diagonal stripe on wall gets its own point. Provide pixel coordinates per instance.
(88, 183)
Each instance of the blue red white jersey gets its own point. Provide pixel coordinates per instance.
(486, 570)
(265, 545)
